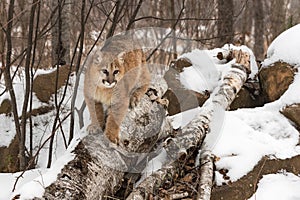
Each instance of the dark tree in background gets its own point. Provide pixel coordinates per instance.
(225, 22)
(259, 29)
(61, 32)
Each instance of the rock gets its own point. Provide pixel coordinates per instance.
(9, 157)
(181, 63)
(275, 80)
(292, 112)
(44, 84)
(181, 99)
(5, 107)
(248, 97)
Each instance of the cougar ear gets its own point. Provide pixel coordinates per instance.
(121, 57)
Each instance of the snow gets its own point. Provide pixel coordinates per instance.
(280, 186)
(203, 71)
(256, 133)
(206, 70)
(285, 48)
(247, 135)
(19, 87)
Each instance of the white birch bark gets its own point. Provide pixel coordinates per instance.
(206, 174)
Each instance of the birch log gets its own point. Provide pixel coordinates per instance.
(98, 168)
(206, 174)
(193, 134)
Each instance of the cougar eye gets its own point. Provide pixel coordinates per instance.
(116, 72)
(104, 71)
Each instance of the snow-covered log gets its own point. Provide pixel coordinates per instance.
(193, 134)
(98, 168)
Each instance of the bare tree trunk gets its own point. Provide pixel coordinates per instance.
(8, 79)
(2, 38)
(246, 23)
(82, 30)
(119, 6)
(133, 16)
(61, 32)
(259, 29)
(225, 22)
(277, 17)
(27, 86)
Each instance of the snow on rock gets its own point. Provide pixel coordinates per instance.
(206, 70)
(203, 71)
(7, 128)
(19, 87)
(280, 186)
(286, 47)
(250, 134)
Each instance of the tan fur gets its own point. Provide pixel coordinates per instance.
(132, 81)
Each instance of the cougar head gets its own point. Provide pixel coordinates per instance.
(109, 73)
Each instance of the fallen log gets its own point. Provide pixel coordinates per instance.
(193, 134)
(98, 168)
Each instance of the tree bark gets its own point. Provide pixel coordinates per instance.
(8, 79)
(28, 83)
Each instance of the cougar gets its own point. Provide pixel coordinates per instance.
(114, 81)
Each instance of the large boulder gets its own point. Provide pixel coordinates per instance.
(5, 107)
(44, 85)
(248, 97)
(275, 80)
(181, 99)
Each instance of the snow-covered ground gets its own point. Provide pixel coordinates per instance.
(34, 181)
(246, 135)
(250, 134)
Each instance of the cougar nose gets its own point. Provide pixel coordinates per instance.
(110, 81)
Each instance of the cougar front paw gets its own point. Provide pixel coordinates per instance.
(113, 136)
(134, 100)
(94, 128)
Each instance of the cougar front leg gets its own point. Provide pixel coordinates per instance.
(142, 87)
(116, 115)
(96, 115)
